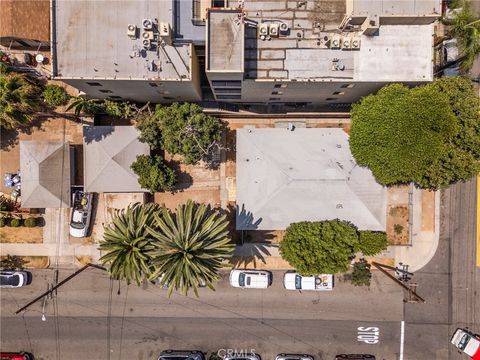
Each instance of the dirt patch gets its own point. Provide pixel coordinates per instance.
(36, 262)
(172, 200)
(21, 235)
(83, 260)
(397, 225)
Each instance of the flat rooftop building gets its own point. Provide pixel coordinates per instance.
(123, 50)
(322, 52)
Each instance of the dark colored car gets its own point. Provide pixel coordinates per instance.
(181, 355)
(15, 356)
(355, 357)
(14, 279)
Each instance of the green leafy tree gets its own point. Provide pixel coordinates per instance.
(55, 95)
(361, 274)
(372, 242)
(410, 135)
(182, 129)
(12, 262)
(82, 105)
(128, 244)
(153, 174)
(123, 110)
(319, 247)
(190, 246)
(465, 27)
(18, 100)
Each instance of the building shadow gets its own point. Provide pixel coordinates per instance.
(96, 133)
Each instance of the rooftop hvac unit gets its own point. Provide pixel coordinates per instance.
(335, 42)
(346, 42)
(147, 35)
(263, 29)
(147, 24)
(283, 27)
(165, 32)
(147, 44)
(355, 42)
(132, 31)
(273, 30)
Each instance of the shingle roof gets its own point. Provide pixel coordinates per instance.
(45, 171)
(303, 175)
(108, 153)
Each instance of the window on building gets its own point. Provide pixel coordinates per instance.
(227, 83)
(349, 86)
(278, 86)
(339, 93)
(227, 90)
(331, 99)
(115, 97)
(94, 83)
(274, 99)
(277, 92)
(229, 97)
(153, 84)
(167, 98)
(105, 91)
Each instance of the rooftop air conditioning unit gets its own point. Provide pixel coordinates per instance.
(335, 41)
(132, 31)
(165, 32)
(147, 35)
(273, 30)
(147, 44)
(283, 27)
(263, 29)
(346, 42)
(355, 42)
(147, 24)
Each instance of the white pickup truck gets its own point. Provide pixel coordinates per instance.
(467, 342)
(295, 281)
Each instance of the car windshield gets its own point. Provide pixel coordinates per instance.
(179, 357)
(463, 342)
(298, 282)
(241, 279)
(13, 280)
(78, 226)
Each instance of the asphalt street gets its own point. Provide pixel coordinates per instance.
(93, 322)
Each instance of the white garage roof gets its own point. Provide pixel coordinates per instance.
(303, 175)
(108, 153)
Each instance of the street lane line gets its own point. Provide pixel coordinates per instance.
(402, 339)
(478, 220)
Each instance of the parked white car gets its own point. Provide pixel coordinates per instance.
(81, 213)
(14, 279)
(467, 342)
(295, 281)
(250, 279)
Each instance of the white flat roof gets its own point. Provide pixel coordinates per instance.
(303, 175)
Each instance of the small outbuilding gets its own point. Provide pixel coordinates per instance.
(108, 153)
(45, 171)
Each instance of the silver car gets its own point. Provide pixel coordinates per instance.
(294, 357)
(181, 355)
(14, 279)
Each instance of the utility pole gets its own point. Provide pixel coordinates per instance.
(53, 289)
(413, 297)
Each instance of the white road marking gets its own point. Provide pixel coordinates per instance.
(368, 335)
(402, 339)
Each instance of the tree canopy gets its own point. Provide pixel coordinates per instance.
(314, 248)
(371, 242)
(182, 129)
(153, 174)
(428, 135)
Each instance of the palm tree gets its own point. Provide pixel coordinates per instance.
(18, 100)
(465, 27)
(87, 106)
(128, 243)
(190, 246)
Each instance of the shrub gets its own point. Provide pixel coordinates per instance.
(372, 242)
(3, 222)
(12, 262)
(361, 275)
(319, 247)
(153, 174)
(55, 95)
(30, 222)
(397, 228)
(15, 223)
